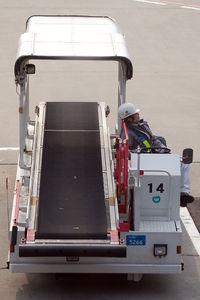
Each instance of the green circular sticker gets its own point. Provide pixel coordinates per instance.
(156, 199)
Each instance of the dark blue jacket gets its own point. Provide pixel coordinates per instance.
(142, 128)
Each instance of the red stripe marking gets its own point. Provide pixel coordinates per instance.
(7, 183)
(30, 235)
(114, 236)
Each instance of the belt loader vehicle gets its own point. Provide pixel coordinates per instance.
(83, 203)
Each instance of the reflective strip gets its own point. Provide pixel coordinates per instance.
(146, 143)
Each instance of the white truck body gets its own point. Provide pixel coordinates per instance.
(146, 236)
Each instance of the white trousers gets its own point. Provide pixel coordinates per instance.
(185, 178)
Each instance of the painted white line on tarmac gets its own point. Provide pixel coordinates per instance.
(9, 148)
(166, 2)
(190, 228)
(190, 7)
(151, 2)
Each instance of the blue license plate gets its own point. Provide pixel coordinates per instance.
(135, 240)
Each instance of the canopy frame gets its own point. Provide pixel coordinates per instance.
(68, 37)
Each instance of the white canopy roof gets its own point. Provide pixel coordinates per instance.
(72, 38)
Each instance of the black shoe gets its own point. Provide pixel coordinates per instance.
(185, 199)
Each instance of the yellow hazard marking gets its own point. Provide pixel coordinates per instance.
(34, 200)
(112, 201)
(21, 110)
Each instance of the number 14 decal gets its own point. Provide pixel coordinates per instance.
(159, 188)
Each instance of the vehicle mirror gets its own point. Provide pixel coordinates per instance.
(187, 156)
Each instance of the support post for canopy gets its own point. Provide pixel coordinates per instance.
(23, 119)
(121, 89)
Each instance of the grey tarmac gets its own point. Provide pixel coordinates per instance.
(164, 45)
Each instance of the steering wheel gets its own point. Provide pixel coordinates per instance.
(145, 150)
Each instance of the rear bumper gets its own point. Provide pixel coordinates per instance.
(90, 250)
(98, 268)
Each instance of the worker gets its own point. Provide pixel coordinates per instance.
(141, 135)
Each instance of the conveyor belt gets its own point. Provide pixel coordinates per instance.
(71, 198)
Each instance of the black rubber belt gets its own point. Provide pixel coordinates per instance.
(71, 198)
(72, 250)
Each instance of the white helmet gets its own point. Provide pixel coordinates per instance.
(127, 109)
